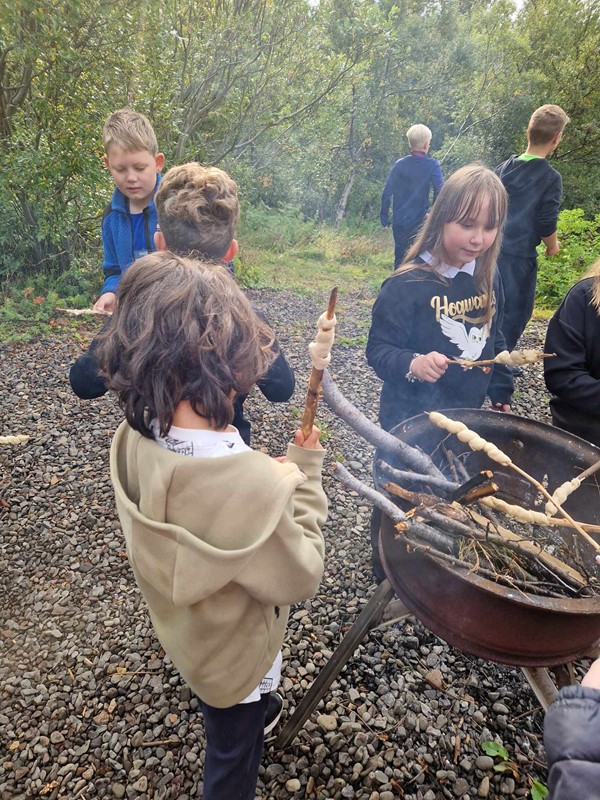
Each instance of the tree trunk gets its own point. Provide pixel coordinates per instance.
(343, 204)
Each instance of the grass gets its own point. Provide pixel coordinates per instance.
(279, 250)
(328, 259)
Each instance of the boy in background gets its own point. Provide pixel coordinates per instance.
(407, 187)
(197, 209)
(534, 194)
(129, 220)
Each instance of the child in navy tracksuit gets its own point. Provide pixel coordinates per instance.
(408, 187)
(445, 302)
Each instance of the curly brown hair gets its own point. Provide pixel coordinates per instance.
(197, 210)
(182, 330)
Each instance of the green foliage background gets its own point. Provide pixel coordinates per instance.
(304, 102)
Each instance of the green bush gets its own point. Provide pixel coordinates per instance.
(274, 229)
(579, 247)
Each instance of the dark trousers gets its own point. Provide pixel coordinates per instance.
(404, 236)
(234, 747)
(519, 276)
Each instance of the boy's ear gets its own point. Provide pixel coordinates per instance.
(159, 241)
(231, 251)
(160, 161)
(106, 161)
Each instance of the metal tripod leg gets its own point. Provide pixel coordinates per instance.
(542, 684)
(368, 617)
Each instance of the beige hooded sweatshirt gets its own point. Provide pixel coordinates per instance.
(220, 547)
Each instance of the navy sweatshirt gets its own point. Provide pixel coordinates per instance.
(573, 376)
(418, 312)
(572, 742)
(534, 192)
(408, 184)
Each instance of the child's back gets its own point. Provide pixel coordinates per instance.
(197, 208)
(221, 539)
(534, 190)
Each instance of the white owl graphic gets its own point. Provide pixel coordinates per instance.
(471, 344)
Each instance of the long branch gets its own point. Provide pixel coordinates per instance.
(344, 409)
(429, 480)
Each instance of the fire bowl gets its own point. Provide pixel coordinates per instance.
(473, 613)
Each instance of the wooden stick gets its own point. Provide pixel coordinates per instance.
(488, 361)
(342, 408)
(560, 509)
(314, 382)
(78, 312)
(587, 473)
(383, 504)
(440, 484)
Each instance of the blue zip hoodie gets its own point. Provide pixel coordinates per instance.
(117, 237)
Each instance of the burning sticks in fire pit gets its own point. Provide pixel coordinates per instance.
(531, 552)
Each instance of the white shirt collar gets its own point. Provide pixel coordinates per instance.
(445, 270)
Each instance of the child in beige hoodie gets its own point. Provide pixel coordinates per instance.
(221, 539)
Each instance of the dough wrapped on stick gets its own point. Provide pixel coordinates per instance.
(320, 355)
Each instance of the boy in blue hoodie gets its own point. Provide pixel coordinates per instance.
(129, 220)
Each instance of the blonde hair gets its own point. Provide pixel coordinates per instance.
(546, 121)
(182, 330)
(461, 198)
(418, 136)
(593, 272)
(130, 131)
(197, 210)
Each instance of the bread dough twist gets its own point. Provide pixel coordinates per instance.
(469, 437)
(320, 349)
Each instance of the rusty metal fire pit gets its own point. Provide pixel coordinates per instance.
(471, 612)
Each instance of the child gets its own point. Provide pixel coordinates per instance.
(534, 193)
(573, 376)
(408, 185)
(221, 539)
(445, 302)
(197, 209)
(572, 740)
(129, 220)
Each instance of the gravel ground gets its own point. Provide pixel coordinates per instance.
(90, 706)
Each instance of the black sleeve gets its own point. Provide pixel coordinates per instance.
(547, 211)
(572, 742)
(84, 375)
(279, 383)
(501, 385)
(567, 375)
(388, 348)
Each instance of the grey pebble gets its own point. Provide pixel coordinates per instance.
(85, 683)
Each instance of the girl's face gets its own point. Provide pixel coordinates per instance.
(466, 239)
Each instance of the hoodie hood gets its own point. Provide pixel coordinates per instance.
(517, 176)
(534, 192)
(185, 545)
(220, 547)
